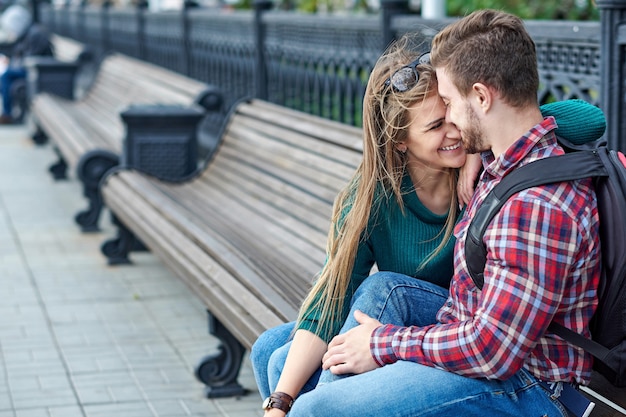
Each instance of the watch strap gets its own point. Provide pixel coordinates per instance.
(279, 400)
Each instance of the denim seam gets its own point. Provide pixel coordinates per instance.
(391, 291)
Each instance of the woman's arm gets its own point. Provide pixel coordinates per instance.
(304, 358)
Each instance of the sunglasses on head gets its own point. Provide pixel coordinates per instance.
(407, 77)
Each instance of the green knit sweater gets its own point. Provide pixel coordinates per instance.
(396, 242)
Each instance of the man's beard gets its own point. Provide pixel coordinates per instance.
(473, 133)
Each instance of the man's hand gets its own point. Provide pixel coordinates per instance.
(350, 352)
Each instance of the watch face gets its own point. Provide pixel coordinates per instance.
(266, 403)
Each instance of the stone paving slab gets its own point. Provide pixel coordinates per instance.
(79, 338)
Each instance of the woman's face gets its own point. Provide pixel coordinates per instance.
(431, 140)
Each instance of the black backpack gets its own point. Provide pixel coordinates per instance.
(608, 168)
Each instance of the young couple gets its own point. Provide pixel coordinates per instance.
(418, 337)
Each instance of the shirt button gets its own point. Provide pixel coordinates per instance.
(449, 304)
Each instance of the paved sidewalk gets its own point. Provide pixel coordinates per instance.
(79, 338)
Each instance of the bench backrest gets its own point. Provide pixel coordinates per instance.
(122, 80)
(66, 49)
(286, 169)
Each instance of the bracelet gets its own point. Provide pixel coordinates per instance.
(278, 400)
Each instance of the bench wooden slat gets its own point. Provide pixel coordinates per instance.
(185, 85)
(323, 129)
(297, 138)
(318, 165)
(63, 123)
(300, 204)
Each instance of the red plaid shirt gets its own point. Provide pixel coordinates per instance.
(542, 265)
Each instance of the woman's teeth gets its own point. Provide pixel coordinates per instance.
(451, 147)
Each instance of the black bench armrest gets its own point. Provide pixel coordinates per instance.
(211, 99)
(46, 74)
(161, 140)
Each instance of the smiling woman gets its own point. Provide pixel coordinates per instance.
(432, 148)
(397, 213)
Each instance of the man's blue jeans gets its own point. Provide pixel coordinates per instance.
(406, 388)
(6, 80)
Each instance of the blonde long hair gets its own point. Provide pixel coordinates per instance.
(379, 175)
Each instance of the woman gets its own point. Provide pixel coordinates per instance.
(398, 213)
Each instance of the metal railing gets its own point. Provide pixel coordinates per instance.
(320, 64)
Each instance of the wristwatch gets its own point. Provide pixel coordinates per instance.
(278, 400)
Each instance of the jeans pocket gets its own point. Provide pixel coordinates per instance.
(553, 396)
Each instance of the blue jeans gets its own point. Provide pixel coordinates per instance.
(268, 355)
(6, 80)
(408, 389)
(389, 297)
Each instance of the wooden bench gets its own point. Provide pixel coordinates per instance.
(88, 133)
(248, 232)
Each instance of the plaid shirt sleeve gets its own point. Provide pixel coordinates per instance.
(533, 245)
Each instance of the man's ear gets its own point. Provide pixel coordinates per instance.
(483, 96)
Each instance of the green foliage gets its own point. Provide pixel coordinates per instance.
(526, 9)
(530, 9)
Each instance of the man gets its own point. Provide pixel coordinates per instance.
(31, 40)
(488, 352)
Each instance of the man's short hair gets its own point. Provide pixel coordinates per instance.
(493, 48)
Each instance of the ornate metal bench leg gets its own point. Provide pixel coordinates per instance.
(117, 250)
(90, 170)
(59, 169)
(39, 137)
(219, 371)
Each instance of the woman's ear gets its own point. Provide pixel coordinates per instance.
(401, 146)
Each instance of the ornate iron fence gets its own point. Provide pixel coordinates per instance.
(318, 64)
(613, 69)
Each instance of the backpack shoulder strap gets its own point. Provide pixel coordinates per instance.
(572, 166)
